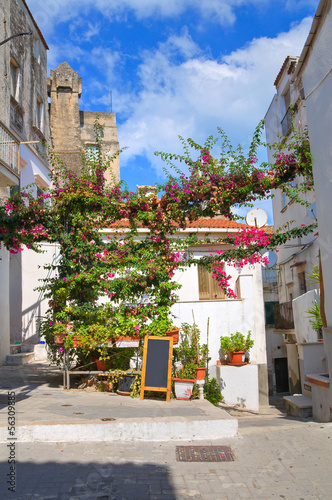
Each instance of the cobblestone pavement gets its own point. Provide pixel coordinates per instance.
(275, 457)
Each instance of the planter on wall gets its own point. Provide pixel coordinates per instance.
(127, 342)
(183, 388)
(237, 358)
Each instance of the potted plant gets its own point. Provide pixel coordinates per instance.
(236, 346)
(184, 381)
(316, 321)
(162, 325)
(127, 327)
(190, 360)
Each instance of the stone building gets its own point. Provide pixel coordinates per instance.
(24, 134)
(73, 129)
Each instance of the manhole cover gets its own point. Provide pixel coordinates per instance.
(204, 454)
(78, 413)
(47, 394)
(66, 405)
(107, 419)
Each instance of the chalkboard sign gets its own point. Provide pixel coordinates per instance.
(157, 365)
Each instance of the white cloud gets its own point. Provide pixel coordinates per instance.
(193, 97)
(49, 13)
(299, 4)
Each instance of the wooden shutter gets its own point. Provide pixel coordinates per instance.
(203, 283)
(216, 291)
(208, 287)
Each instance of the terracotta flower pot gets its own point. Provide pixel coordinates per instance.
(101, 365)
(236, 358)
(59, 338)
(175, 334)
(77, 342)
(200, 373)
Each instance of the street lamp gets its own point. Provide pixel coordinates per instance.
(13, 36)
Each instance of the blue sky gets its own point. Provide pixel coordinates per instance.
(175, 67)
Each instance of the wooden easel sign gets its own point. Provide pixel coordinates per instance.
(157, 365)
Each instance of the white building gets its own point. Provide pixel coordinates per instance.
(297, 256)
(315, 70)
(201, 299)
(309, 79)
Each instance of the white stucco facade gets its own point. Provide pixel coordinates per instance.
(297, 256)
(316, 72)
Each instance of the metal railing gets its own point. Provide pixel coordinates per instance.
(9, 150)
(283, 316)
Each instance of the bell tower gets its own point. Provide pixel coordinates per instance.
(64, 89)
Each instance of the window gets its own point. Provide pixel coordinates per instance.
(37, 48)
(39, 113)
(13, 77)
(302, 282)
(91, 152)
(283, 200)
(208, 287)
(287, 119)
(15, 189)
(269, 312)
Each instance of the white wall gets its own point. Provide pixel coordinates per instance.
(4, 302)
(283, 215)
(302, 326)
(34, 171)
(31, 303)
(317, 81)
(25, 303)
(226, 316)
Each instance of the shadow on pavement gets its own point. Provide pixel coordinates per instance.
(92, 481)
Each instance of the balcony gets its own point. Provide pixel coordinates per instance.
(286, 122)
(283, 316)
(9, 158)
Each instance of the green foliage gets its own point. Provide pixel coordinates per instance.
(295, 150)
(314, 312)
(112, 283)
(212, 391)
(313, 278)
(162, 323)
(236, 342)
(190, 353)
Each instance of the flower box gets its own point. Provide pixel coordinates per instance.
(183, 388)
(127, 342)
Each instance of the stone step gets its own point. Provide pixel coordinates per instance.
(27, 347)
(15, 348)
(21, 358)
(298, 405)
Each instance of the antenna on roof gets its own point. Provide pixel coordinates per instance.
(111, 102)
(256, 217)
